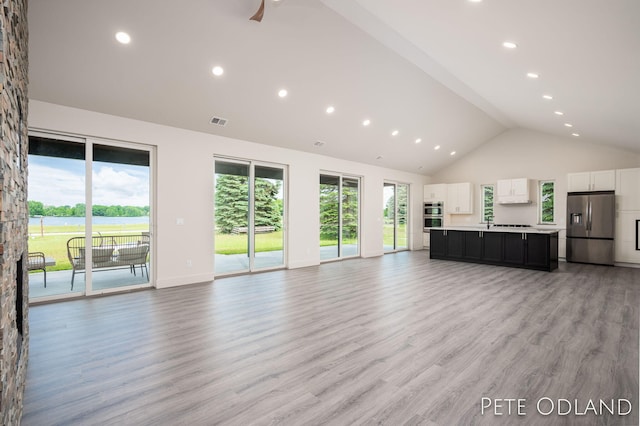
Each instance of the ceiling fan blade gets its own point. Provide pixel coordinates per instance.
(259, 14)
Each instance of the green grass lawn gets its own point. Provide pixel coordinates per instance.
(238, 243)
(271, 241)
(387, 235)
(54, 241)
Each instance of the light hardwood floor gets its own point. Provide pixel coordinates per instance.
(393, 340)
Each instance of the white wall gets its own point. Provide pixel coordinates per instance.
(522, 153)
(184, 189)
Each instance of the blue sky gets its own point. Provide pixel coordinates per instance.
(61, 181)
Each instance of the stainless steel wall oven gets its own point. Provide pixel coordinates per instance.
(433, 215)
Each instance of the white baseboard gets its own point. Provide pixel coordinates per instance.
(184, 280)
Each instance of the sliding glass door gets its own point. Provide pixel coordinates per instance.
(268, 217)
(249, 216)
(90, 216)
(57, 200)
(339, 216)
(396, 216)
(120, 195)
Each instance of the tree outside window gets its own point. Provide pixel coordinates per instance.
(547, 211)
(487, 203)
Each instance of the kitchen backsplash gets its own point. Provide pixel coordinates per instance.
(511, 214)
(516, 214)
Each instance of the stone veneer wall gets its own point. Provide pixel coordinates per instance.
(14, 343)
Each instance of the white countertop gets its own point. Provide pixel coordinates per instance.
(483, 228)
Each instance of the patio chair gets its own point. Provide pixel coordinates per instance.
(37, 262)
(135, 256)
(76, 252)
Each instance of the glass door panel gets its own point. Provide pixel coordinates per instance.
(249, 216)
(339, 217)
(56, 201)
(329, 217)
(231, 234)
(396, 217)
(121, 238)
(268, 217)
(389, 208)
(402, 215)
(350, 220)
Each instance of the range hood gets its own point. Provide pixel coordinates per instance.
(514, 202)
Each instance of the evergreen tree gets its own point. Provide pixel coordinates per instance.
(268, 210)
(328, 211)
(232, 205)
(231, 202)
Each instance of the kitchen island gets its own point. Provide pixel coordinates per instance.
(530, 248)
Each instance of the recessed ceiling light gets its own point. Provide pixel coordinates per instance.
(283, 93)
(532, 75)
(575, 134)
(558, 113)
(217, 71)
(366, 122)
(395, 133)
(568, 125)
(330, 109)
(475, 1)
(548, 97)
(453, 153)
(509, 45)
(123, 37)
(437, 147)
(418, 140)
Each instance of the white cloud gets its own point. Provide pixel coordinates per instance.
(55, 187)
(122, 185)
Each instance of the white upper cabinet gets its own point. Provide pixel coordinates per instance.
(459, 198)
(603, 180)
(579, 182)
(628, 189)
(435, 192)
(513, 191)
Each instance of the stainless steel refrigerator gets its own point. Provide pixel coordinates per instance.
(591, 227)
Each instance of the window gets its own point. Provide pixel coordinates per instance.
(547, 195)
(339, 216)
(395, 212)
(80, 188)
(487, 203)
(249, 216)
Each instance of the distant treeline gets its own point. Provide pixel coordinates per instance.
(36, 208)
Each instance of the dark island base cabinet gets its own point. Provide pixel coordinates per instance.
(520, 250)
(492, 247)
(513, 248)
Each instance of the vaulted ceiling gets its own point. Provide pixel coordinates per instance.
(435, 71)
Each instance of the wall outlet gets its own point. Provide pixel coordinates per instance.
(189, 263)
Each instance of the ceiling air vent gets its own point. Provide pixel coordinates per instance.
(219, 121)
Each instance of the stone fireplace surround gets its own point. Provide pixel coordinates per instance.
(14, 287)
